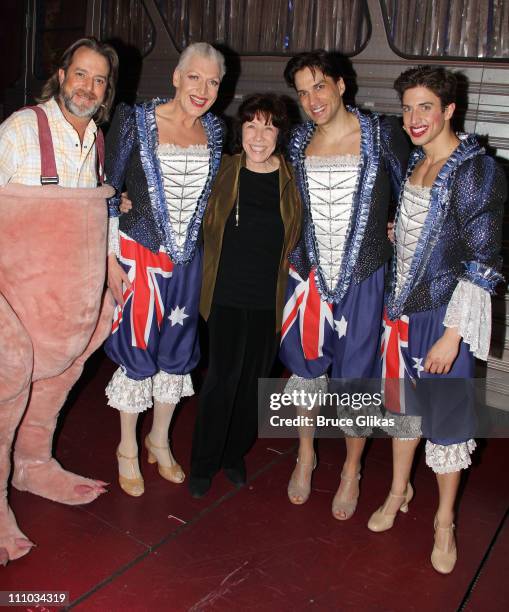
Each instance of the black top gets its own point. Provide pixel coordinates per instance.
(251, 252)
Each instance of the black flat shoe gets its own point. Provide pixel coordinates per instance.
(236, 475)
(198, 486)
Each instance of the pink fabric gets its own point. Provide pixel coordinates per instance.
(52, 270)
(52, 267)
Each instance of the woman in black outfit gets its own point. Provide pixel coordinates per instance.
(251, 224)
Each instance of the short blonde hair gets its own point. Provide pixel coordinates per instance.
(202, 49)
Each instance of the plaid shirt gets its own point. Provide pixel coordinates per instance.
(20, 158)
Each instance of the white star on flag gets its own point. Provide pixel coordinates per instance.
(177, 316)
(418, 365)
(341, 326)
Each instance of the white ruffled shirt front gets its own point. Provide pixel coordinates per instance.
(469, 309)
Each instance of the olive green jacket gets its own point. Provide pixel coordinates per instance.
(221, 203)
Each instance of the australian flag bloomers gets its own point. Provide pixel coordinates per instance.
(344, 337)
(156, 327)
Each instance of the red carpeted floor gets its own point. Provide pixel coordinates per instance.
(250, 549)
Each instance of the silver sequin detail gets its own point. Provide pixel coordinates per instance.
(184, 172)
(306, 386)
(331, 182)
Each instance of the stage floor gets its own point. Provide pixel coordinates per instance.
(249, 548)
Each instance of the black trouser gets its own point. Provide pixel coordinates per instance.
(242, 348)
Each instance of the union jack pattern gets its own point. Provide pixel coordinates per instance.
(144, 266)
(314, 315)
(394, 339)
(342, 338)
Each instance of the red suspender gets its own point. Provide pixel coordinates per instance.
(99, 147)
(49, 174)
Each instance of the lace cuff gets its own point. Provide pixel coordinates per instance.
(127, 394)
(170, 388)
(451, 458)
(469, 310)
(113, 237)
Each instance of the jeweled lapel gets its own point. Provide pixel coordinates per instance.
(370, 159)
(438, 209)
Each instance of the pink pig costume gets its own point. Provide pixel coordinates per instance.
(52, 270)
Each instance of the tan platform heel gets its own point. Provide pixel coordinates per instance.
(296, 489)
(132, 486)
(443, 561)
(348, 507)
(172, 473)
(381, 520)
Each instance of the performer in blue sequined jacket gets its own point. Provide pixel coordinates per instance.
(461, 236)
(166, 153)
(438, 310)
(345, 161)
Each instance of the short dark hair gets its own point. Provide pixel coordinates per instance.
(270, 107)
(318, 59)
(52, 86)
(441, 82)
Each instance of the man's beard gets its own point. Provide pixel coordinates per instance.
(75, 109)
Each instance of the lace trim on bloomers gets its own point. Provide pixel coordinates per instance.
(469, 310)
(170, 388)
(451, 458)
(406, 427)
(135, 396)
(129, 395)
(113, 237)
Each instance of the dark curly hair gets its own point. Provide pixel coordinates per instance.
(267, 106)
(441, 82)
(318, 59)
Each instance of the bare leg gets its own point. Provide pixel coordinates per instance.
(345, 500)
(444, 553)
(129, 475)
(158, 445)
(403, 452)
(163, 414)
(447, 490)
(299, 486)
(34, 468)
(128, 447)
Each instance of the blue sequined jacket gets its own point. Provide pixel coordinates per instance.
(131, 162)
(384, 155)
(461, 236)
